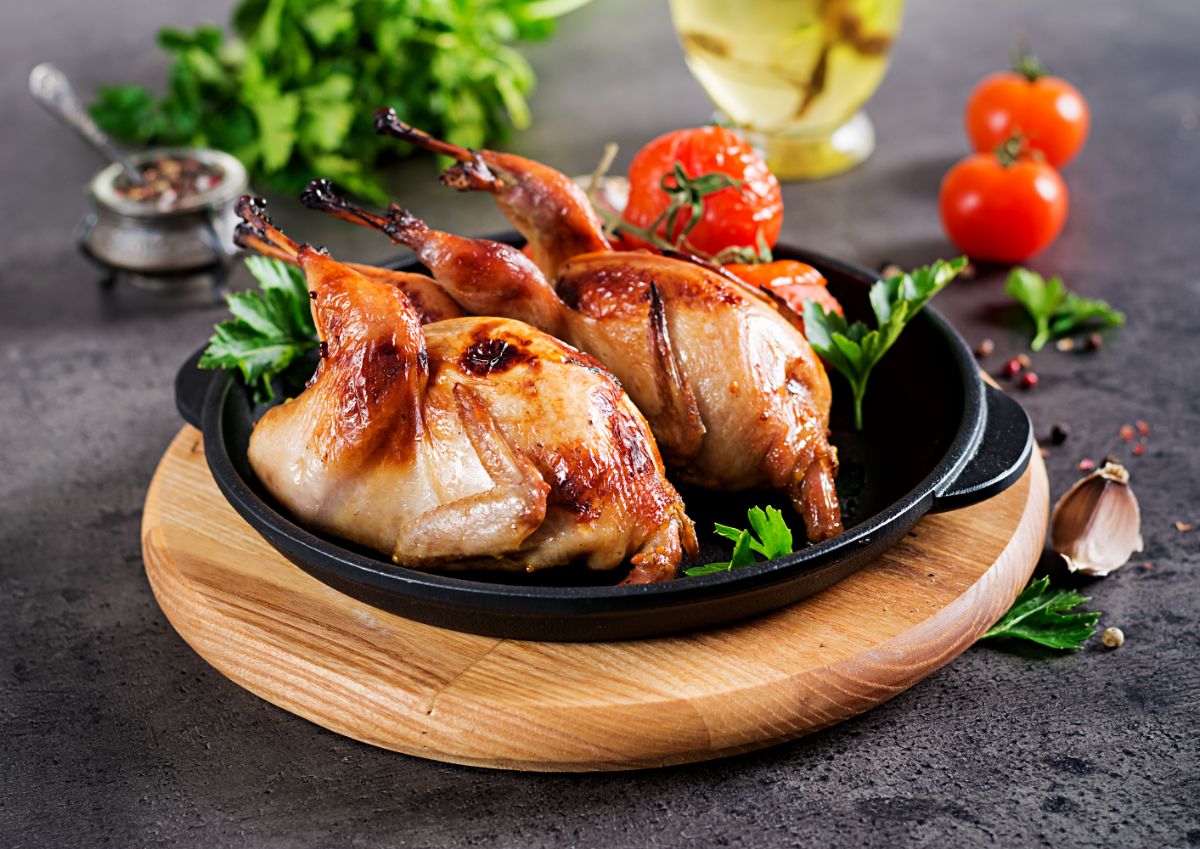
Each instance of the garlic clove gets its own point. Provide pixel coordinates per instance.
(1097, 524)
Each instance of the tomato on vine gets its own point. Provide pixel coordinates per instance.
(1048, 111)
(1003, 206)
(704, 191)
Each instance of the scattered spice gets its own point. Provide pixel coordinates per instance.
(1126, 433)
(1012, 368)
(169, 182)
(1059, 433)
(968, 271)
(1143, 428)
(1065, 344)
(1045, 452)
(889, 270)
(1184, 527)
(1112, 637)
(1086, 464)
(1023, 360)
(1097, 523)
(985, 348)
(1029, 380)
(1139, 449)
(1095, 341)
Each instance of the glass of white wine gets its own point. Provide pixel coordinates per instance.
(793, 75)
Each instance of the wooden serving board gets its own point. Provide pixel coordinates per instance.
(507, 704)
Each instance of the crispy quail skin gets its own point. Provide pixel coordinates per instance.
(733, 392)
(466, 443)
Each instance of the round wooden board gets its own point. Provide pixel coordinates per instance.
(577, 706)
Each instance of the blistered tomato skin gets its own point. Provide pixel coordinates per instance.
(1002, 213)
(1048, 112)
(733, 216)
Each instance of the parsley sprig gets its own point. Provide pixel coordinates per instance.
(768, 535)
(269, 330)
(1039, 615)
(854, 349)
(1054, 309)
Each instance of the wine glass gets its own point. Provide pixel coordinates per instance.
(793, 75)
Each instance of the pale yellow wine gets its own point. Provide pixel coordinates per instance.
(792, 67)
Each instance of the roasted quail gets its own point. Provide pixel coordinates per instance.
(466, 443)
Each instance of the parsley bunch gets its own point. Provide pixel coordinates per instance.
(270, 330)
(854, 349)
(1055, 310)
(291, 93)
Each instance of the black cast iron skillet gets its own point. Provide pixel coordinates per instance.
(936, 438)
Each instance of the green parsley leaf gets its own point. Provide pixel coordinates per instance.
(774, 535)
(854, 349)
(127, 111)
(277, 115)
(270, 328)
(1055, 310)
(1038, 615)
(769, 535)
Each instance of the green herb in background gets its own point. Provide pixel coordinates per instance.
(292, 93)
(854, 349)
(769, 535)
(1055, 310)
(269, 329)
(1039, 615)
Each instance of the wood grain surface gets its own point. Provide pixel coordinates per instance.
(500, 703)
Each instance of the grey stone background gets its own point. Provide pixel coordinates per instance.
(115, 733)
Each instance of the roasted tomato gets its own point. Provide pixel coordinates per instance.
(733, 216)
(1003, 206)
(791, 281)
(1048, 111)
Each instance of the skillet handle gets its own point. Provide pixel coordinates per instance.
(191, 385)
(999, 460)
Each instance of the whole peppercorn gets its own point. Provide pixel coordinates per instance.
(1029, 380)
(1012, 368)
(985, 348)
(1095, 341)
(1024, 361)
(1112, 637)
(1059, 433)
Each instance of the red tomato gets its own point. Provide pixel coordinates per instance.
(1002, 210)
(1048, 111)
(732, 217)
(791, 281)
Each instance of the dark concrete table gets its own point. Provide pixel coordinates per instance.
(116, 733)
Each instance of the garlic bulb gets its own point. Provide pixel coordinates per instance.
(1097, 525)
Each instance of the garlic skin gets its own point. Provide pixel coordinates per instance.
(1097, 524)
